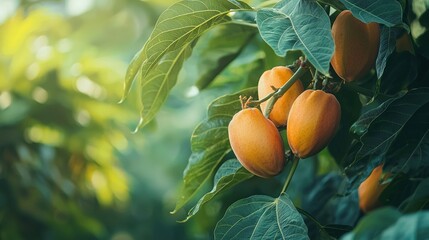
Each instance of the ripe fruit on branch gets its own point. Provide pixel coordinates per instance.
(356, 46)
(313, 120)
(370, 190)
(256, 142)
(276, 78)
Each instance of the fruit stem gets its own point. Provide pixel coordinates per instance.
(255, 103)
(277, 94)
(295, 162)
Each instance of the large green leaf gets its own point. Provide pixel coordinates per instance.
(386, 12)
(409, 153)
(262, 217)
(229, 174)
(298, 25)
(413, 226)
(214, 52)
(177, 27)
(158, 83)
(209, 144)
(379, 128)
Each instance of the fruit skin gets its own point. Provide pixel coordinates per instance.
(256, 142)
(313, 120)
(277, 77)
(370, 190)
(356, 46)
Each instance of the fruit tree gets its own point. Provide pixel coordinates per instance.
(327, 112)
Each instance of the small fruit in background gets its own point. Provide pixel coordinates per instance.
(404, 44)
(277, 77)
(370, 190)
(256, 143)
(313, 119)
(356, 46)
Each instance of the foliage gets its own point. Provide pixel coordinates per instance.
(384, 114)
(67, 156)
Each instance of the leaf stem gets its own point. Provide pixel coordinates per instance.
(295, 162)
(308, 215)
(279, 92)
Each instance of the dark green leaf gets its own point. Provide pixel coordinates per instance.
(209, 144)
(298, 25)
(420, 198)
(350, 112)
(262, 217)
(214, 52)
(228, 175)
(381, 126)
(370, 226)
(386, 12)
(388, 223)
(422, 46)
(400, 72)
(387, 46)
(409, 153)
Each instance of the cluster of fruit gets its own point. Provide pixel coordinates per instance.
(311, 116)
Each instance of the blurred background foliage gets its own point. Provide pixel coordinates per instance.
(70, 167)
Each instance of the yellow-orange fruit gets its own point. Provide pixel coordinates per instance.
(313, 120)
(370, 190)
(277, 77)
(256, 142)
(356, 46)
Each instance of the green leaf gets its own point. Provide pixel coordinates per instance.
(158, 83)
(420, 198)
(228, 175)
(380, 127)
(210, 144)
(214, 52)
(230, 103)
(370, 226)
(262, 217)
(401, 70)
(413, 226)
(298, 25)
(387, 46)
(388, 223)
(177, 27)
(409, 153)
(386, 12)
